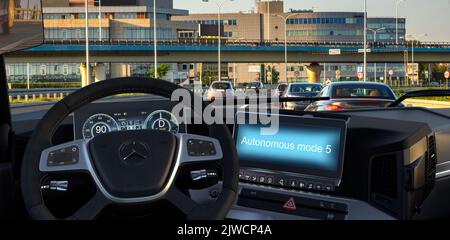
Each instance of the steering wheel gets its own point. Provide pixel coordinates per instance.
(146, 178)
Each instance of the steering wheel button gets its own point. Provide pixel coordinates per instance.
(64, 156)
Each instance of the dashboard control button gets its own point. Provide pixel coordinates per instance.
(214, 193)
(328, 188)
(254, 178)
(64, 156)
(310, 185)
(262, 179)
(292, 183)
(319, 187)
(281, 182)
(201, 148)
(301, 184)
(269, 180)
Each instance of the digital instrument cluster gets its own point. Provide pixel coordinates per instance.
(100, 118)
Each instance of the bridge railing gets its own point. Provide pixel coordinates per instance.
(244, 42)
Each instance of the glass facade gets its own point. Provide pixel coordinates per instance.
(230, 22)
(43, 72)
(74, 33)
(298, 21)
(140, 33)
(324, 32)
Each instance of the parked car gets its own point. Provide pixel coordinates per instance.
(353, 95)
(220, 89)
(281, 88)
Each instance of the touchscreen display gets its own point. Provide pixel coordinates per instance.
(306, 146)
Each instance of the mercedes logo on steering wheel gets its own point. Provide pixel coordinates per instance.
(134, 152)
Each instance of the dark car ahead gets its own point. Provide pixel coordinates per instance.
(353, 95)
(280, 89)
(300, 90)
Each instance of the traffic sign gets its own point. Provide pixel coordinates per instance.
(335, 52)
(368, 50)
(447, 74)
(360, 75)
(391, 72)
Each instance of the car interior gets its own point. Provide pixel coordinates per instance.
(116, 149)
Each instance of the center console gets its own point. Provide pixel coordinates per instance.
(303, 153)
(333, 167)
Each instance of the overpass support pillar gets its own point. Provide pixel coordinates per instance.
(100, 72)
(313, 71)
(120, 70)
(83, 71)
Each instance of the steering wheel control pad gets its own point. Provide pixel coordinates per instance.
(134, 164)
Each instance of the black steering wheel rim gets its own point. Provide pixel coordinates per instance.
(41, 139)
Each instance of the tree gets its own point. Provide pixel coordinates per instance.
(163, 69)
(275, 74)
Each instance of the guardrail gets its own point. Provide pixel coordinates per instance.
(35, 94)
(234, 42)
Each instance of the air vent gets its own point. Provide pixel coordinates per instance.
(432, 157)
(384, 176)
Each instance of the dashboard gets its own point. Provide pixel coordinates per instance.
(103, 117)
(368, 164)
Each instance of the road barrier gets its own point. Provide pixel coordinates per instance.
(36, 94)
(241, 42)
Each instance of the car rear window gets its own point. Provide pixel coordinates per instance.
(221, 86)
(254, 84)
(362, 91)
(282, 87)
(301, 88)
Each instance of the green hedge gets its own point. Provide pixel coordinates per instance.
(46, 85)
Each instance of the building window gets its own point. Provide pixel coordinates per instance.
(65, 69)
(43, 70)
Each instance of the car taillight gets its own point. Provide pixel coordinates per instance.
(334, 107)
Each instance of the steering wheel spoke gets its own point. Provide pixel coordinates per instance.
(180, 200)
(197, 149)
(92, 209)
(71, 156)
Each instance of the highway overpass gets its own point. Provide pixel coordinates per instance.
(174, 51)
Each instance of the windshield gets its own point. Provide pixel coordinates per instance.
(304, 88)
(362, 91)
(218, 85)
(324, 46)
(254, 84)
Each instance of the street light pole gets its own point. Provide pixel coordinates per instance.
(100, 20)
(88, 74)
(285, 19)
(155, 40)
(219, 34)
(375, 32)
(396, 19)
(414, 38)
(365, 40)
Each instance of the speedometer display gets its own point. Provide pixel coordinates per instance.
(99, 124)
(163, 121)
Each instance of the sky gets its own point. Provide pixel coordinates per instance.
(431, 17)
